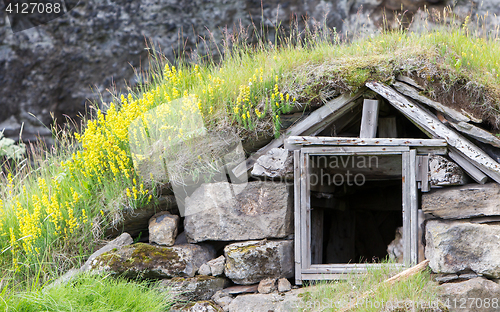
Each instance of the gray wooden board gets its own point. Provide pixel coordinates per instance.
(296, 194)
(317, 216)
(413, 207)
(476, 174)
(476, 133)
(369, 119)
(431, 125)
(414, 94)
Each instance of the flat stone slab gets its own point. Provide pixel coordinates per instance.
(149, 261)
(237, 212)
(277, 163)
(200, 306)
(199, 287)
(284, 302)
(250, 262)
(470, 200)
(461, 246)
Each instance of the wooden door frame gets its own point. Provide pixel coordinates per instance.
(304, 270)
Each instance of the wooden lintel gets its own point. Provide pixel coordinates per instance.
(369, 119)
(316, 122)
(297, 142)
(413, 93)
(432, 125)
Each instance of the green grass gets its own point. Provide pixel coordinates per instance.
(366, 292)
(90, 293)
(55, 206)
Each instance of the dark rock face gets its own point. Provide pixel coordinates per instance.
(58, 66)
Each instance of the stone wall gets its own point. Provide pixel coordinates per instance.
(58, 67)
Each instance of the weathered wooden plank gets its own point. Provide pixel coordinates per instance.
(419, 168)
(425, 174)
(413, 93)
(413, 207)
(406, 208)
(409, 81)
(296, 198)
(432, 125)
(369, 119)
(476, 133)
(466, 164)
(327, 277)
(304, 176)
(297, 142)
(387, 127)
(317, 216)
(345, 268)
(316, 122)
(355, 150)
(423, 150)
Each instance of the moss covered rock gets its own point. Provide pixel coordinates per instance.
(148, 261)
(252, 261)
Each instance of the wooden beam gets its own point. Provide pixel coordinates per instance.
(463, 162)
(316, 122)
(406, 208)
(369, 119)
(413, 208)
(430, 124)
(424, 169)
(409, 81)
(476, 133)
(413, 93)
(296, 199)
(296, 142)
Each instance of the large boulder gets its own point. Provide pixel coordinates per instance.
(235, 212)
(163, 228)
(250, 262)
(148, 261)
(482, 292)
(459, 246)
(199, 287)
(471, 200)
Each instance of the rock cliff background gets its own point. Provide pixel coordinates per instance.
(63, 66)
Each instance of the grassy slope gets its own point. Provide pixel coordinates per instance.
(52, 217)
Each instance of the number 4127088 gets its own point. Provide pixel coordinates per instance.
(32, 8)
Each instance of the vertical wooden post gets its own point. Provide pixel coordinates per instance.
(369, 119)
(413, 207)
(296, 198)
(305, 211)
(406, 208)
(425, 174)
